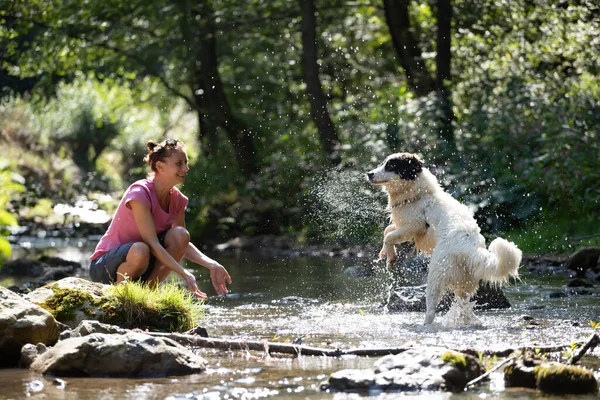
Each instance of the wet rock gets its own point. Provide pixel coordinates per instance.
(200, 331)
(88, 327)
(587, 258)
(553, 265)
(521, 372)
(55, 262)
(30, 352)
(71, 300)
(550, 377)
(407, 299)
(23, 267)
(565, 379)
(557, 295)
(22, 322)
(294, 300)
(113, 355)
(419, 369)
(578, 282)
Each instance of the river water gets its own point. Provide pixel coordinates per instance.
(311, 299)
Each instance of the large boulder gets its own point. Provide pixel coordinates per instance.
(418, 369)
(412, 299)
(71, 300)
(132, 354)
(583, 260)
(22, 322)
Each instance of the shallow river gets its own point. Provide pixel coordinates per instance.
(312, 299)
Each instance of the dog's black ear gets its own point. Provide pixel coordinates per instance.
(407, 166)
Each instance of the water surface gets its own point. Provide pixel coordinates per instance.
(312, 300)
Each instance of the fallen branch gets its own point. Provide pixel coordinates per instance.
(297, 349)
(592, 342)
(272, 347)
(580, 238)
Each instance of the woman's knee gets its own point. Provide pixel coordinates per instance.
(177, 237)
(139, 254)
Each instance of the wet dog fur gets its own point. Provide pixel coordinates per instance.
(439, 225)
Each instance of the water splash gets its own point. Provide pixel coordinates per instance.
(344, 205)
(461, 314)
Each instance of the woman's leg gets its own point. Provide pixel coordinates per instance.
(176, 243)
(135, 263)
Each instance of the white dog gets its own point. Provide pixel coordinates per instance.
(439, 225)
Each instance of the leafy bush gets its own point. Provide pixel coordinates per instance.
(9, 186)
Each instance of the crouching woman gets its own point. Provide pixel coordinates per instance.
(147, 238)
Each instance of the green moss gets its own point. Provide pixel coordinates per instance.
(457, 359)
(64, 302)
(563, 379)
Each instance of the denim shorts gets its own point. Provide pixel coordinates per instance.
(104, 268)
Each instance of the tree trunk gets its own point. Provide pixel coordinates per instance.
(419, 78)
(213, 108)
(407, 47)
(310, 67)
(443, 61)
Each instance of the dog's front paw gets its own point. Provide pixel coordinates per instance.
(383, 254)
(391, 261)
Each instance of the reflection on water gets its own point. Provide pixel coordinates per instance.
(312, 300)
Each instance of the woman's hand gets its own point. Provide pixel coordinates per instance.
(219, 277)
(190, 280)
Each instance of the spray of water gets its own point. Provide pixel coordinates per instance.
(461, 314)
(345, 206)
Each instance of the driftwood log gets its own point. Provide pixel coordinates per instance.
(298, 349)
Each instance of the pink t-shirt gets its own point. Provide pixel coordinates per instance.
(123, 228)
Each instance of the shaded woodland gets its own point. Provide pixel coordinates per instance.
(501, 98)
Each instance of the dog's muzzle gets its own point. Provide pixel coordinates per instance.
(370, 176)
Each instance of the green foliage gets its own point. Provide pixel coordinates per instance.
(523, 88)
(8, 188)
(553, 232)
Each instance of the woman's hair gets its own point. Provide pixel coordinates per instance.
(160, 151)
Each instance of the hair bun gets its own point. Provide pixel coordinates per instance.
(152, 145)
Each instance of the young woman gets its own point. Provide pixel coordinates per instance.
(147, 238)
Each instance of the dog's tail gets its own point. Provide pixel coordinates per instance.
(502, 262)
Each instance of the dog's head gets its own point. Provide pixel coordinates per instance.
(397, 168)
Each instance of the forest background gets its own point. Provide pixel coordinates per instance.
(282, 101)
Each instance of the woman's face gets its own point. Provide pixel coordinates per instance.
(174, 166)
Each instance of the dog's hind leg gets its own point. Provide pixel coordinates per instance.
(433, 297)
(434, 291)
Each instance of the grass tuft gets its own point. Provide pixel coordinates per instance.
(168, 307)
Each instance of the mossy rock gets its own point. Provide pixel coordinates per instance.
(565, 379)
(459, 360)
(72, 300)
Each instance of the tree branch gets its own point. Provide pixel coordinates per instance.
(592, 342)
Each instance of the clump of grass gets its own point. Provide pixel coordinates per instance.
(167, 307)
